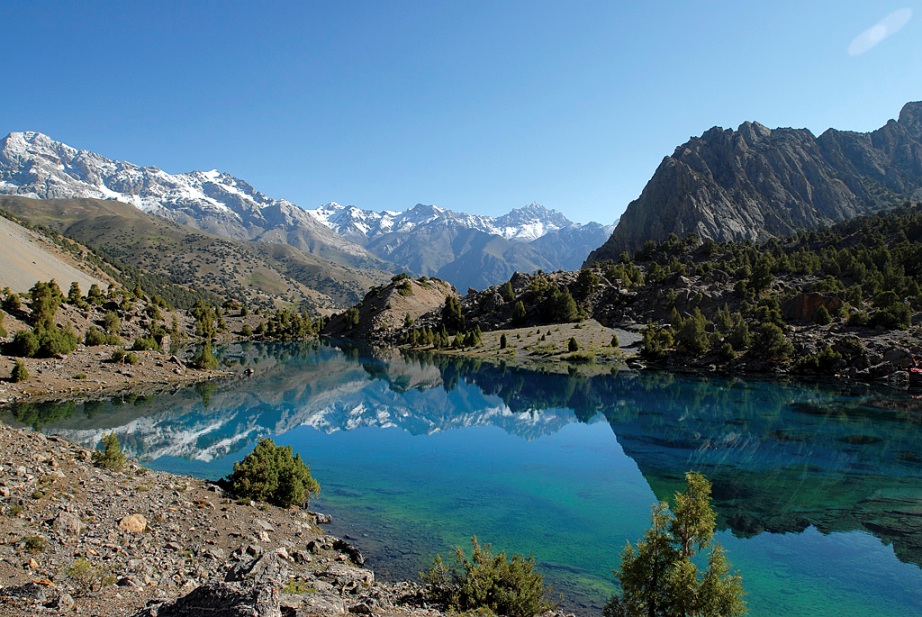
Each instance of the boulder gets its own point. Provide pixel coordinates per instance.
(133, 523)
(68, 523)
(221, 600)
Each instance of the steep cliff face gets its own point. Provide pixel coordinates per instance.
(756, 182)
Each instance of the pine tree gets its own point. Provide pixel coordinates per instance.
(659, 576)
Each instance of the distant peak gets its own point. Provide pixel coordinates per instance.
(911, 115)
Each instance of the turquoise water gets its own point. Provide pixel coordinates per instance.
(818, 487)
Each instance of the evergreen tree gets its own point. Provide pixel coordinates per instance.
(659, 576)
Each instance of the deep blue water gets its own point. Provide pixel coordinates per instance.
(818, 487)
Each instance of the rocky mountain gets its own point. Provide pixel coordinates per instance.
(756, 182)
(464, 249)
(34, 165)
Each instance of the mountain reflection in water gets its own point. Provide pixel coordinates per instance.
(782, 457)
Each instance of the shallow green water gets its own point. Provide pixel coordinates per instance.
(818, 487)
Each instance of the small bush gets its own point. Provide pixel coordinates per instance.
(54, 341)
(146, 343)
(112, 456)
(614, 341)
(25, 344)
(35, 544)
(274, 474)
(822, 317)
(87, 577)
(132, 358)
(20, 372)
(488, 581)
(572, 345)
(117, 356)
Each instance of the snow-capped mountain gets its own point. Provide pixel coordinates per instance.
(524, 224)
(34, 165)
(465, 249)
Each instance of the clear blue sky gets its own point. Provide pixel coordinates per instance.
(475, 106)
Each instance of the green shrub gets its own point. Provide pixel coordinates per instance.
(87, 577)
(274, 474)
(111, 322)
(614, 341)
(25, 344)
(117, 356)
(204, 359)
(96, 336)
(111, 457)
(35, 544)
(771, 344)
(146, 343)
(132, 358)
(246, 330)
(488, 581)
(20, 372)
(56, 341)
(822, 317)
(572, 345)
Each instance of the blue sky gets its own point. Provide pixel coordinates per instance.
(474, 106)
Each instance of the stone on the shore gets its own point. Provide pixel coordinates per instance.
(133, 523)
(221, 600)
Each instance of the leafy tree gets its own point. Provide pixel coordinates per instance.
(273, 473)
(659, 576)
(488, 581)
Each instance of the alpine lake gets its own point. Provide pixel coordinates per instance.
(817, 485)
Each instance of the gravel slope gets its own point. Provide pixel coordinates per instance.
(26, 258)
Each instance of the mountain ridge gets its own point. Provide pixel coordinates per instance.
(426, 239)
(754, 183)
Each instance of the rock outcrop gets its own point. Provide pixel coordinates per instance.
(756, 182)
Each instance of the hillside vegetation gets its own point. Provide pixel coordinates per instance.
(843, 300)
(256, 274)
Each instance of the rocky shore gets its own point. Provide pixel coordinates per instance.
(78, 539)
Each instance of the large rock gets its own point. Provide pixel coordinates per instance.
(133, 523)
(221, 600)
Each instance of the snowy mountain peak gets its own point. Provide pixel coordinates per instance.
(34, 165)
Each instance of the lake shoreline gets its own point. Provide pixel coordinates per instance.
(78, 537)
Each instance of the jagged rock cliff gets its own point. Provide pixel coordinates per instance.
(756, 182)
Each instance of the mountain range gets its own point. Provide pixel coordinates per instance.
(755, 183)
(467, 250)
